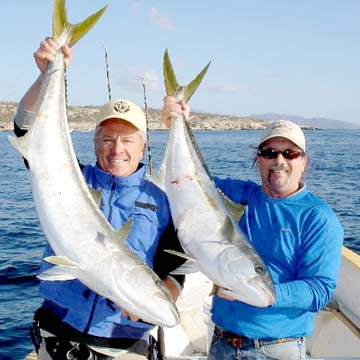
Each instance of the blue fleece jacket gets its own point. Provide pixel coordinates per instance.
(122, 198)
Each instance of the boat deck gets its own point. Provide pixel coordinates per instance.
(33, 356)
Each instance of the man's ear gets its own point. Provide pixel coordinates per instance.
(144, 148)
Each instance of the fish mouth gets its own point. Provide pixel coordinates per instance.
(169, 315)
(265, 291)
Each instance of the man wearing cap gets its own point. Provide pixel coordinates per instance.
(74, 322)
(297, 235)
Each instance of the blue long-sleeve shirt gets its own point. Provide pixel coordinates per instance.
(300, 239)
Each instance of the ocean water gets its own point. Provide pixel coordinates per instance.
(333, 174)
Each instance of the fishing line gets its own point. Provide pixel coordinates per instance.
(66, 88)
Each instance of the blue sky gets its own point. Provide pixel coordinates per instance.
(289, 57)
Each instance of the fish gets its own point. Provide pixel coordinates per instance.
(86, 246)
(205, 219)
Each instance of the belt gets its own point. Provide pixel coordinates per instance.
(238, 341)
(49, 322)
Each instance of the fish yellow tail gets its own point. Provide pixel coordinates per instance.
(75, 31)
(171, 84)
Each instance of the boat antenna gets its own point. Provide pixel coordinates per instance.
(147, 128)
(107, 73)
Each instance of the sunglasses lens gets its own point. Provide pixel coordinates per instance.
(268, 153)
(273, 153)
(291, 154)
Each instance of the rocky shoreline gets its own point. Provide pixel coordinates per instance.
(81, 118)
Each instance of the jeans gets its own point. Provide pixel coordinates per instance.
(220, 349)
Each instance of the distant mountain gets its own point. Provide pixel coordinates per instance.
(320, 123)
(82, 118)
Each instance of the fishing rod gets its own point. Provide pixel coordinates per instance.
(107, 72)
(147, 128)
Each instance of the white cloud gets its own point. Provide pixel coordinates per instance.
(162, 20)
(136, 5)
(151, 80)
(132, 79)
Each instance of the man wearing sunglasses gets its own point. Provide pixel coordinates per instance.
(297, 235)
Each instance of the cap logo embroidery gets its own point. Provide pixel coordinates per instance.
(279, 126)
(121, 107)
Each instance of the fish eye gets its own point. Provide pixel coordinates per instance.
(259, 270)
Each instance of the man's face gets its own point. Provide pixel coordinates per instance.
(280, 176)
(119, 147)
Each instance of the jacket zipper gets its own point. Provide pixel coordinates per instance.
(87, 327)
(111, 197)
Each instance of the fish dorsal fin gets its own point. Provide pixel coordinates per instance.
(235, 209)
(76, 31)
(21, 144)
(172, 86)
(197, 147)
(96, 195)
(121, 235)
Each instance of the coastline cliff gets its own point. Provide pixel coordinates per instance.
(81, 118)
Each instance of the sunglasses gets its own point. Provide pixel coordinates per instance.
(273, 153)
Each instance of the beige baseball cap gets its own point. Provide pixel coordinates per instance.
(125, 110)
(285, 129)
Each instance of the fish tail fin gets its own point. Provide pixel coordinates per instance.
(21, 144)
(172, 86)
(74, 32)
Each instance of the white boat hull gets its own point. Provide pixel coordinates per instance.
(334, 336)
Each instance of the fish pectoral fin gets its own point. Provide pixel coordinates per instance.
(188, 267)
(61, 261)
(57, 273)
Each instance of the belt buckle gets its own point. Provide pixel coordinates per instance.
(235, 342)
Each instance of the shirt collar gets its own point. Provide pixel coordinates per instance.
(106, 179)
